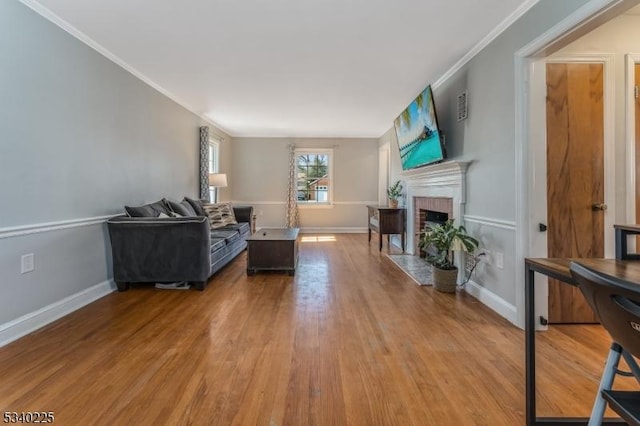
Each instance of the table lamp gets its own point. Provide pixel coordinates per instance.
(217, 180)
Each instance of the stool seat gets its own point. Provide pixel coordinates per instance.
(625, 403)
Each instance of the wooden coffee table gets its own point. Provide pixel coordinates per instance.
(273, 249)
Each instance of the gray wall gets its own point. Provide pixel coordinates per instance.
(80, 138)
(487, 136)
(487, 139)
(259, 177)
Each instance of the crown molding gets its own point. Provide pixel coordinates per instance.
(499, 29)
(73, 31)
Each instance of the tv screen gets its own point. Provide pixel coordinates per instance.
(417, 133)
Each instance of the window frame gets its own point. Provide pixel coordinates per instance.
(214, 165)
(330, 166)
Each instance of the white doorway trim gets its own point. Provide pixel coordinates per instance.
(631, 60)
(538, 159)
(384, 165)
(525, 174)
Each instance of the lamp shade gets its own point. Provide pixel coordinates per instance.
(218, 180)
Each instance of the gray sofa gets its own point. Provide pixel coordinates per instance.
(153, 248)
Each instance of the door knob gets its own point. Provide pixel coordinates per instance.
(598, 206)
(542, 227)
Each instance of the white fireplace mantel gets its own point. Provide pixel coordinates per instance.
(446, 179)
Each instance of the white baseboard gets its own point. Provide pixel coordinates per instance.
(19, 327)
(337, 230)
(493, 301)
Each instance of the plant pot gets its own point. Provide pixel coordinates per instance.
(393, 204)
(445, 280)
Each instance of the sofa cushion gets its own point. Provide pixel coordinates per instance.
(229, 236)
(196, 205)
(148, 210)
(242, 228)
(217, 244)
(183, 208)
(220, 215)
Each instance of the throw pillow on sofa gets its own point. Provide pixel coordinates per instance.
(149, 210)
(183, 208)
(196, 205)
(220, 215)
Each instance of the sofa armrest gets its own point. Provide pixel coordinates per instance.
(243, 213)
(156, 250)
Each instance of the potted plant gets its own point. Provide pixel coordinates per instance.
(394, 192)
(440, 242)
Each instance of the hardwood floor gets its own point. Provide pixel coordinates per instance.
(349, 340)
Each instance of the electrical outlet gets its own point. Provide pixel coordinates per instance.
(27, 263)
(259, 212)
(499, 260)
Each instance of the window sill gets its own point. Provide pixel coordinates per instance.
(315, 206)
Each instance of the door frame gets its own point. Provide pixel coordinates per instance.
(538, 158)
(583, 20)
(609, 106)
(631, 60)
(607, 60)
(384, 171)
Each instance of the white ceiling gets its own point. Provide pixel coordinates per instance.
(289, 68)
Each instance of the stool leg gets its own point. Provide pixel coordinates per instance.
(609, 373)
(633, 365)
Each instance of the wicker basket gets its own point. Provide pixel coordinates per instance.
(445, 280)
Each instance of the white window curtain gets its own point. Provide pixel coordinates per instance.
(291, 219)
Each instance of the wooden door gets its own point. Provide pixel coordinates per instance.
(636, 105)
(575, 177)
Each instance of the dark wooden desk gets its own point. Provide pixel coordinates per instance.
(387, 220)
(559, 269)
(622, 250)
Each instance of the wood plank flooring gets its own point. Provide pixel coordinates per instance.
(350, 340)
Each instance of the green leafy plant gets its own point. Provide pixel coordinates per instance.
(395, 191)
(445, 238)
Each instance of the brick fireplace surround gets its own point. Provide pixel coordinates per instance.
(439, 187)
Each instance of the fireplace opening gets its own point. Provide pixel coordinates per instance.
(428, 209)
(431, 217)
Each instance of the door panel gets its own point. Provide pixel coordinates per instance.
(575, 177)
(637, 114)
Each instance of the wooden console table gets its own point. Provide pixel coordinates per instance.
(387, 220)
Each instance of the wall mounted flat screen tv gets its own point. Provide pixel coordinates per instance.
(418, 134)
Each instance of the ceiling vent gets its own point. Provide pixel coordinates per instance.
(462, 106)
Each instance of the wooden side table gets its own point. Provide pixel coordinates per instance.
(387, 220)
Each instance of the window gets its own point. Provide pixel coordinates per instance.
(214, 147)
(314, 177)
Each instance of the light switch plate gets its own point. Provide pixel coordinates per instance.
(27, 263)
